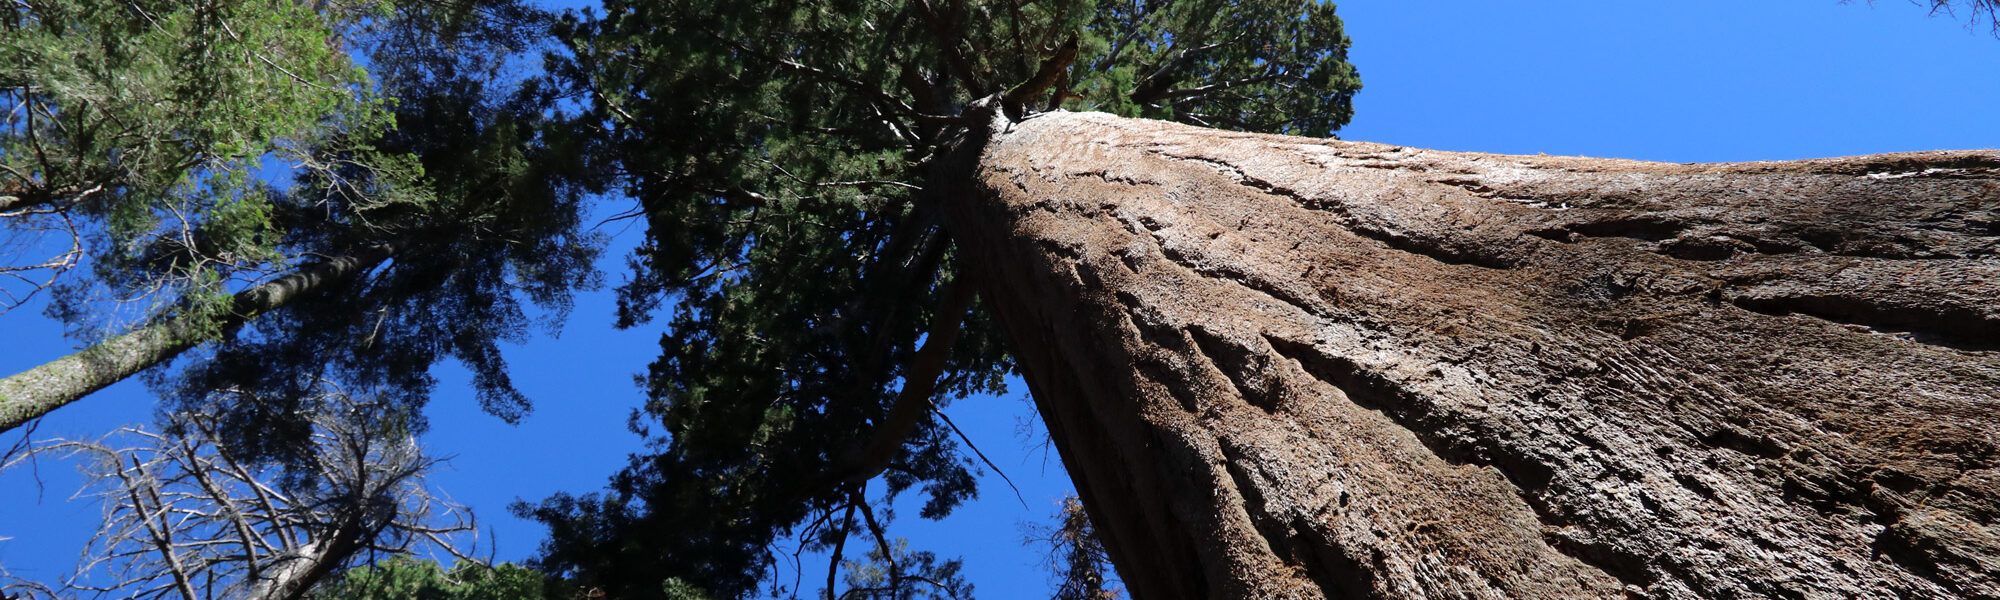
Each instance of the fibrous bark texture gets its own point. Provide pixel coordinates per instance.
(1287, 367)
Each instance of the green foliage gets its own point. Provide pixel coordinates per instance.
(1278, 67)
(491, 226)
(675, 589)
(405, 578)
(1076, 555)
(151, 120)
(791, 159)
(902, 574)
(149, 97)
(197, 149)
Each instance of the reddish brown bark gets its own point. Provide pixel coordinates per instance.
(1285, 367)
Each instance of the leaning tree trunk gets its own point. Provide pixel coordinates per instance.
(298, 572)
(1287, 367)
(30, 394)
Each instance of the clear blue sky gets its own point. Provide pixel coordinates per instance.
(1708, 80)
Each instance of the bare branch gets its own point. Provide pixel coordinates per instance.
(181, 515)
(982, 455)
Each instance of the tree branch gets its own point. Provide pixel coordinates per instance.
(919, 384)
(1052, 69)
(1206, 89)
(839, 547)
(947, 41)
(982, 455)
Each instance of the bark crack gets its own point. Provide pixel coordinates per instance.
(1949, 326)
(1409, 410)
(1152, 229)
(1623, 380)
(1395, 240)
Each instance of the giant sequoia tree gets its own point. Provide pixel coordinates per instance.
(1275, 366)
(794, 162)
(1366, 370)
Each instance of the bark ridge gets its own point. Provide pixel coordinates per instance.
(1287, 367)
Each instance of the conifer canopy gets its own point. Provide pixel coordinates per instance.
(789, 159)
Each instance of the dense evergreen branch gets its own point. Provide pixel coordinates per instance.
(919, 384)
(946, 32)
(811, 147)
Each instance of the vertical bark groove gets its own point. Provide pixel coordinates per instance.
(1282, 367)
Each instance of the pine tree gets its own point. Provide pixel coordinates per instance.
(418, 224)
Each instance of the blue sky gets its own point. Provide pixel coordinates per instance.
(1689, 81)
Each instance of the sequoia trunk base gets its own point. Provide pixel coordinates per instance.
(1285, 367)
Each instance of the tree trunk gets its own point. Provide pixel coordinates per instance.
(1287, 367)
(294, 575)
(34, 392)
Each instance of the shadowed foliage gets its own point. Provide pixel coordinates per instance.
(417, 228)
(408, 578)
(789, 159)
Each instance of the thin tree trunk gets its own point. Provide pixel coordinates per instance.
(1286, 367)
(294, 576)
(35, 392)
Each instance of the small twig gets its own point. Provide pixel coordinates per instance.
(20, 449)
(870, 183)
(260, 56)
(982, 455)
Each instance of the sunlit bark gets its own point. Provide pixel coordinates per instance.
(1286, 367)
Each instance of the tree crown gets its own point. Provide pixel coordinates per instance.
(789, 159)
